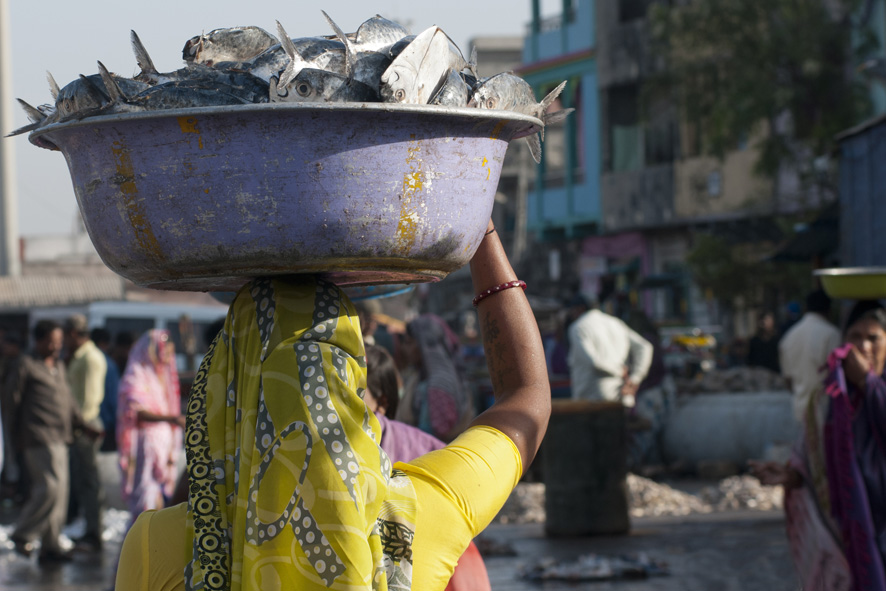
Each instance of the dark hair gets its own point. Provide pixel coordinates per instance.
(381, 379)
(866, 309)
(818, 301)
(100, 336)
(44, 328)
(213, 329)
(124, 339)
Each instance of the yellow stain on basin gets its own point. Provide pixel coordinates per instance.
(132, 206)
(189, 125)
(413, 185)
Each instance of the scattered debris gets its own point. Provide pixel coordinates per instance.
(734, 379)
(595, 567)
(648, 498)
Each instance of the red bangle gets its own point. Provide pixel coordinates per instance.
(493, 290)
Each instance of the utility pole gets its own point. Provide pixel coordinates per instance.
(9, 252)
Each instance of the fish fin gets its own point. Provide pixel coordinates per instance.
(289, 72)
(274, 95)
(549, 100)
(534, 147)
(472, 63)
(24, 129)
(556, 116)
(97, 93)
(34, 114)
(116, 95)
(350, 52)
(142, 58)
(53, 86)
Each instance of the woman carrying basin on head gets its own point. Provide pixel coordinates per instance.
(289, 487)
(840, 463)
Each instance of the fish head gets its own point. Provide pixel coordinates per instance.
(83, 94)
(504, 92)
(414, 75)
(310, 85)
(398, 82)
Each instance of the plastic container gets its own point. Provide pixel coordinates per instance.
(361, 193)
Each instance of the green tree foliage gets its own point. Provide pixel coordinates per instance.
(736, 65)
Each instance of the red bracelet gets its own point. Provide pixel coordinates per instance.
(493, 290)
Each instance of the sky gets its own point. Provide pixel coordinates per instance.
(67, 37)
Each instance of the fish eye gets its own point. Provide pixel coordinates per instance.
(490, 103)
(303, 88)
(400, 94)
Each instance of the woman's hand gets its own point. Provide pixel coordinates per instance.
(857, 367)
(775, 474)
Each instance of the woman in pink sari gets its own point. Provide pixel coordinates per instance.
(149, 423)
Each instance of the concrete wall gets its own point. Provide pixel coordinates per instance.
(705, 186)
(638, 198)
(731, 427)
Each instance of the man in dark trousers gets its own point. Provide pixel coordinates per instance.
(46, 418)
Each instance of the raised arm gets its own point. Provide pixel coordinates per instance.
(514, 353)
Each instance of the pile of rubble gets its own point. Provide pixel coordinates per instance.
(648, 498)
(743, 492)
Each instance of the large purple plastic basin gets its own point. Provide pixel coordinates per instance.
(206, 199)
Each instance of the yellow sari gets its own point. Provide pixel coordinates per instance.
(289, 488)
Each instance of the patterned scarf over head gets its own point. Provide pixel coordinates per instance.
(289, 488)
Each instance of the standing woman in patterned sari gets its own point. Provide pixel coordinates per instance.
(149, 423)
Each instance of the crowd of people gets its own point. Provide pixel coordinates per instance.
(389, 411)
(73, 394)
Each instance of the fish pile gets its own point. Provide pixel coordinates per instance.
(380, 62)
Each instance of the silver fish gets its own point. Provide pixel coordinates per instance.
(234, 44)
(306, 52)
(361, 65)
(378, 34)
(416, 73)
(311, 85)
(310, 52)
(179, 94)
(508, 92)
(453, 91)
(88, 94)
(397, 48)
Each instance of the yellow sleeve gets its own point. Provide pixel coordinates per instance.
(155, 552)
(459, 490)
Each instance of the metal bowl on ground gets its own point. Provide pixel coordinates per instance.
(853, 283)
(205, 199)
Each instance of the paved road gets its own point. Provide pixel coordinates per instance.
(744, 551)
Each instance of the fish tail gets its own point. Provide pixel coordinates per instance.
(552, 96)
(142, 58)
(350, 52)
(21, 130)
(34, 114)
(53, 85)
(116, 95)
(557, 116)
(534, 147)
(472, 63)
(295, 60)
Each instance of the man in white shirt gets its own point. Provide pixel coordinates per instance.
(804, 349)
(607, 360)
